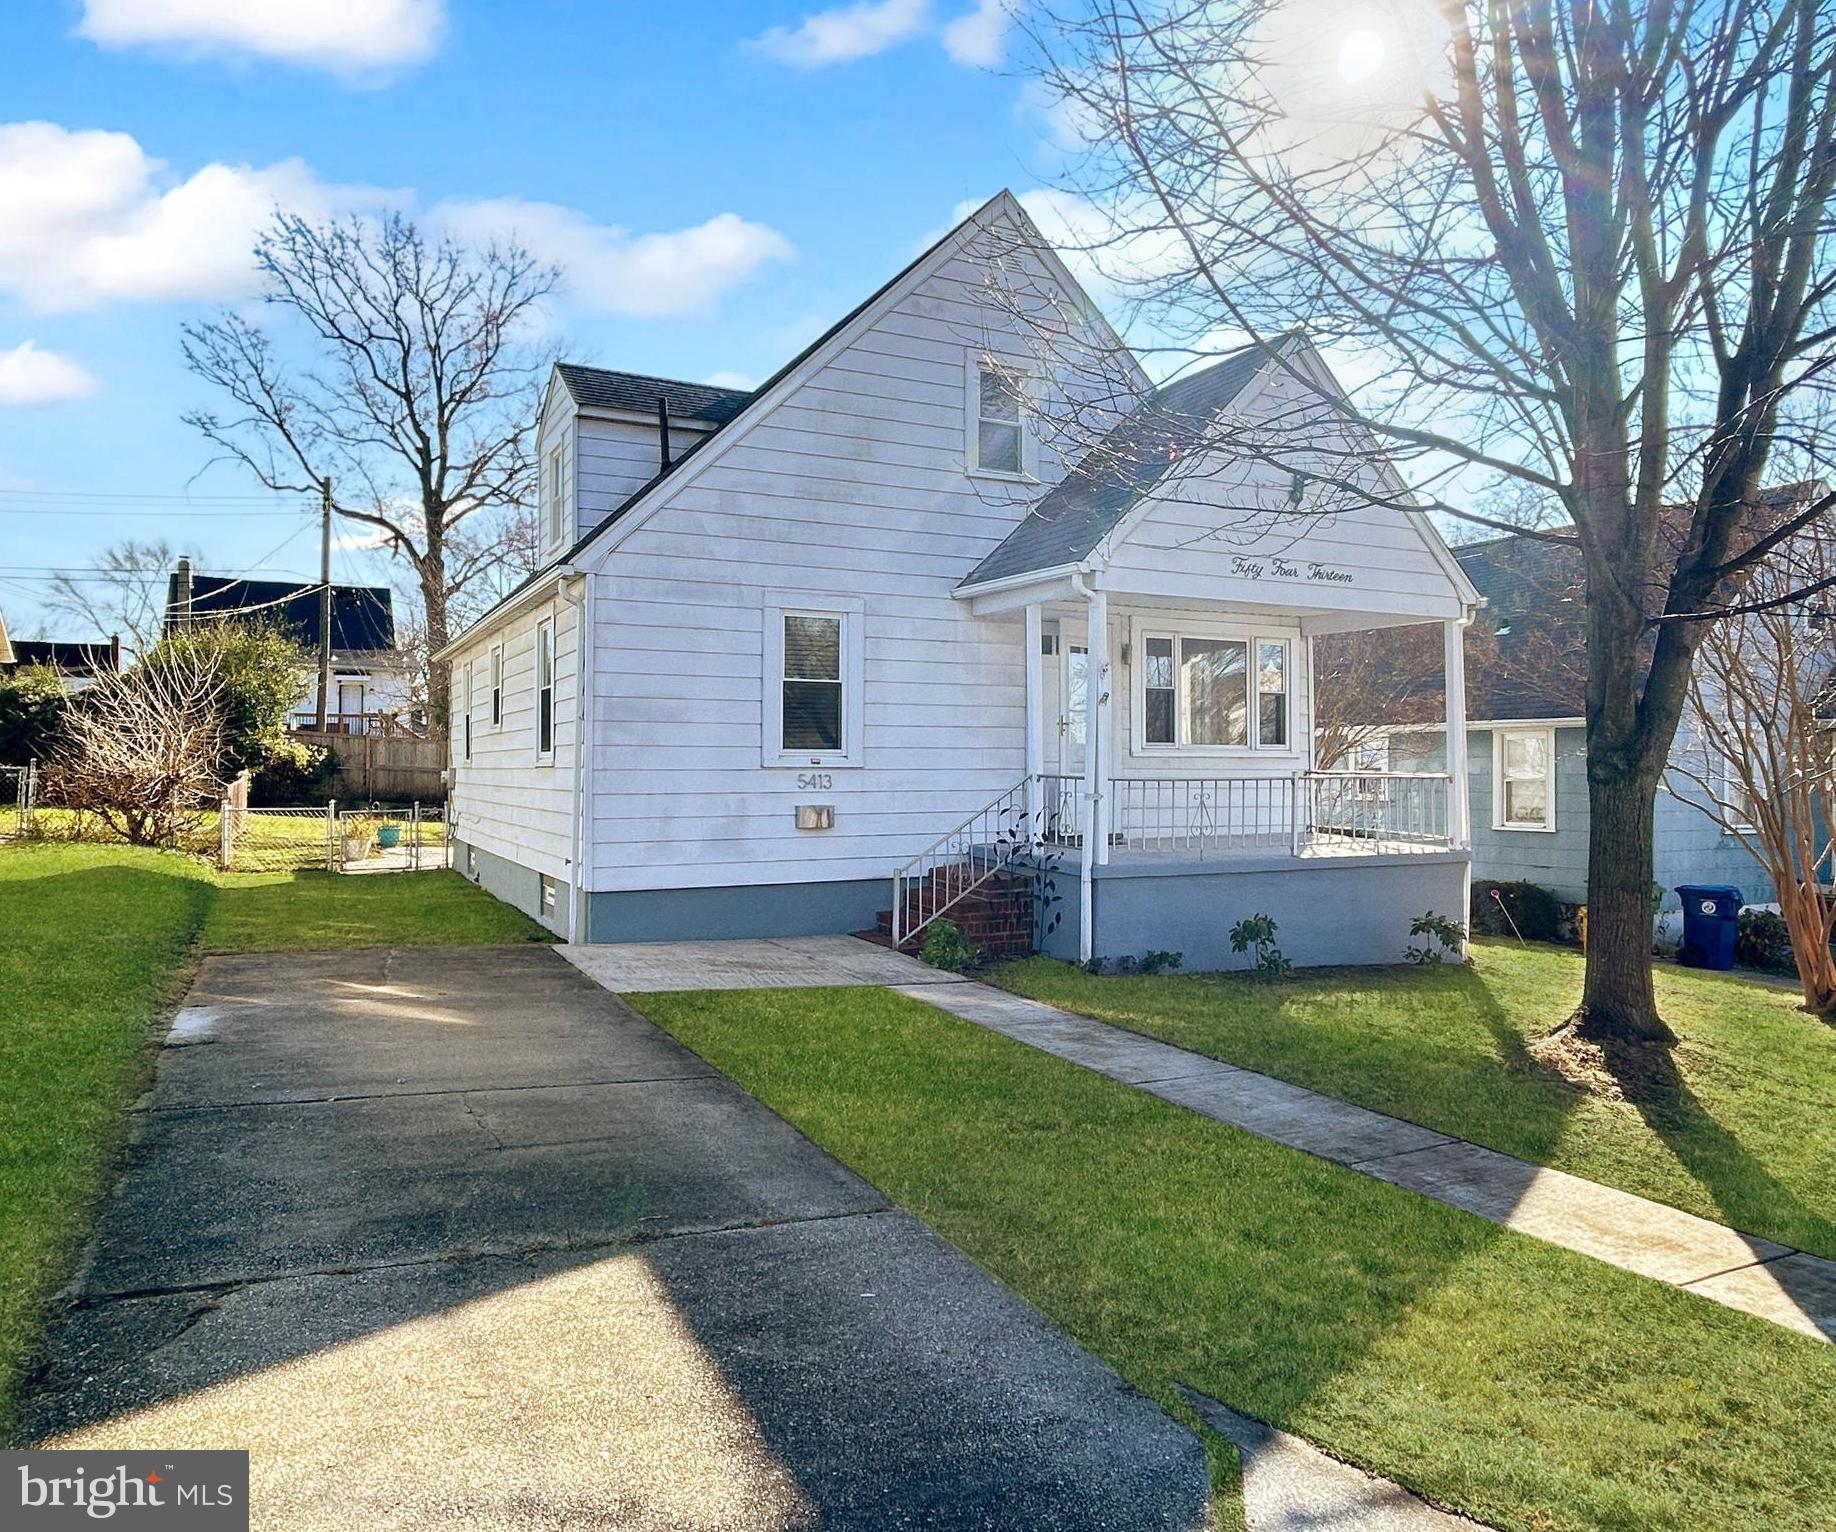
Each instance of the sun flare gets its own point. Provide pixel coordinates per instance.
(1361, 55)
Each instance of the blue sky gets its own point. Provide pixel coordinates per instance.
(723, 180)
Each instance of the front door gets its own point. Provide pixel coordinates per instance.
(1067, 695)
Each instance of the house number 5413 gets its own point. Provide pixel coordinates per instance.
(815, 780)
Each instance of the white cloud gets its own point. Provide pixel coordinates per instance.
(345, 36)
(731, 380)
(978, 38)
(610, 268)
(88, 218)
(29, 375)
(848, 32)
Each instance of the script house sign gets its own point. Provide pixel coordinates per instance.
(1276, 568)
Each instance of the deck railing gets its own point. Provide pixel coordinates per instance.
(957, 864)
(1389, 811)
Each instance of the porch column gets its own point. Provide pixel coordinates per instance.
(1096, 641)
(1035, 724)
(1459, 819)
(1098, 743)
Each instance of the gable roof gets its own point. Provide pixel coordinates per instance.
(1091, 501)
(69, 658)
(638, 392)
(363, 616)
(754, 404)
(1535, 665)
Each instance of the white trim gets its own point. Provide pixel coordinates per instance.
(1499, 821)
(974, 359)
(850, 611)
(542, 588)
(494, 670)
(1252, 637)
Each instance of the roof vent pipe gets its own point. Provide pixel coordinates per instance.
(663, 431)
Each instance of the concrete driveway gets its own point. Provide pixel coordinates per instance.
(453, 1238)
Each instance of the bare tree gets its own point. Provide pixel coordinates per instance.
(420, 400)
(1365, 684)
(1762, 710)
(1580, 255)
(124, 592)
(141, 747)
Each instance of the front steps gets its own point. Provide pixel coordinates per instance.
(997, 916)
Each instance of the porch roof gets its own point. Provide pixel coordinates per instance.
(1090, 502)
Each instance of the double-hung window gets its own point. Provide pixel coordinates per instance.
(1200, 692)
(1523, 779)
(998, 442)
(497, 686)
(813, 672)
(545, 688)
(465, 711)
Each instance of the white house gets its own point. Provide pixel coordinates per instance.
(837, 653)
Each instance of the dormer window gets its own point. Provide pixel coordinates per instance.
(998, 444)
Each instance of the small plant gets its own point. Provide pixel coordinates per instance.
(1761, 940)
(1444, 938)
(944, 946)
(1255, 934)
(1149, 962)
(1094, 965)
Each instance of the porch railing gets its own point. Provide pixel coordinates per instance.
(1305, 812)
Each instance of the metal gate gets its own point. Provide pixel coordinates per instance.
(18, 800)
(410, 838)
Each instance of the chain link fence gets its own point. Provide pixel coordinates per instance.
(335, 838)
(18, 800)
(410, 838)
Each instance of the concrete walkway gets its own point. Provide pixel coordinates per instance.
(1742, 1271)
(452, 1238)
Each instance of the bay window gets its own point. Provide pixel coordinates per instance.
(1201, 692)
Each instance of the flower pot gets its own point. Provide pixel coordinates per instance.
(389, 837)
(356, 847)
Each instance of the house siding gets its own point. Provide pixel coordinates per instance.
(852, 488)
(1688, 847)
(506, 802)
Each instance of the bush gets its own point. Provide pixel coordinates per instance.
(32, 706)
(1155, 961)
(1761, 940)
(944, 946)
(260, 673)
(303, 775)
(1444, 937)
(1255, 934)
(1536, 911)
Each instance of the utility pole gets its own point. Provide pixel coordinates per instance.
(325, 603)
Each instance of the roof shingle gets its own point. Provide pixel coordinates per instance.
(599, 388)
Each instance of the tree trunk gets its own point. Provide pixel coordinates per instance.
(433, 600)
(1803, 910)
(1618, 1000)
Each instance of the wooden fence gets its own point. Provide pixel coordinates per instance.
(387, 768)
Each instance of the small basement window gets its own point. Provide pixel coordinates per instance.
(548, 895)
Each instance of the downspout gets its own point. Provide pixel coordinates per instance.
(583, 606)
(1086, 914)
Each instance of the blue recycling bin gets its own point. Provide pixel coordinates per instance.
(1711, 916)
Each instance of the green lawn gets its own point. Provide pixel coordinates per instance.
(97, 944)
(1528, 1386)
(1746, 1133)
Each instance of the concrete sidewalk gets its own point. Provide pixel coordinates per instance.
(453, 1238)
(1742, 1271)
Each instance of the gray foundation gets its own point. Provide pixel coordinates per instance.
(517, 885)
(1342, 910)
(721, 914)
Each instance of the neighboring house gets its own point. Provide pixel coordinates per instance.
(370, 676)
(77, 665)
(857, 639)
(1527, 748)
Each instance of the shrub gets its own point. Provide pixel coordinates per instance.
(32, 706)
(1762, 940)
(944, 946)
(302, 775)
(1149, 962)
(1536, 912)
(1444, 936)
(1255, 934)
(259, 674)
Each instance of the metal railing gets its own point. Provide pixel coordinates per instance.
(18, 799)
(1379, 812)
(957, 864)
(1309, 812)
